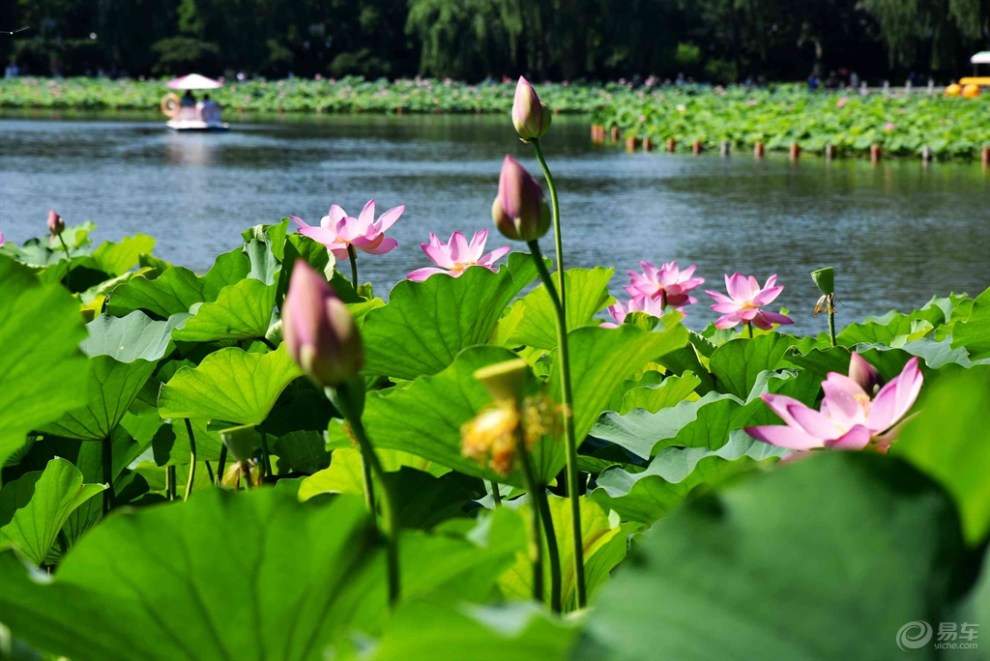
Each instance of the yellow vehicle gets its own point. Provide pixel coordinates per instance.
(971, 86)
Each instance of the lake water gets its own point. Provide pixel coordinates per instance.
(897, 233)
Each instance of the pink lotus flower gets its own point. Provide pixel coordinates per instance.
(668, 284)
(745, 300)
(841, 103)
(848, 419)
(889, 126)
(2, 241)
(337, 230)
(651, 306)
(457, 255)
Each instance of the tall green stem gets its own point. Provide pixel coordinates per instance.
(192, 460)
(64, 247)
(831, 318)
(541, 503)
(266, 461)
(558, 242)
(352, 256)
(495, 494)
(570, 443)
(536, 544)
(749, 329)
(221, 463)
(349, 400)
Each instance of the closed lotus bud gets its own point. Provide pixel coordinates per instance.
(825, 279)
(863, 373)
(530, 116)
(520, 211)
(55, 223)
(319, 330)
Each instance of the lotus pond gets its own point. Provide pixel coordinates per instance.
(271, 460)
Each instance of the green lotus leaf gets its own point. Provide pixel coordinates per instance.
(948, 440)
(737, 363)
(133, 337)
(673, 474)
(44, 373)
(158, 583)
(240, 312)
(532, 320)
(425, 324)
(174, 291)
(974, 332)
(118, 258)
(669, 392)
(764, 566)
(111, 388)
(230, 385)
(34, 507)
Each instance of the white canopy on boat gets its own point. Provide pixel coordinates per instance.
(194, 81)
(983, 57)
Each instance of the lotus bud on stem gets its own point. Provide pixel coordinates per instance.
(323, 340)
(520, 213)
(55, 228)
(824, 279)
(530, 116)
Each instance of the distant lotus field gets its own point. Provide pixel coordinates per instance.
(495, 459)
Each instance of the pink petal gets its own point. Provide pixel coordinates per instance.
(726, 307)
(728, 321)
(321, 235)
(438, 252)
(856, 438)
(387, 219)
(896, 398)
(493, 256)
(419, 275)
(843, 401)
(767, 296)
(784, 437)
(738, 287)
(299, 221)
(775, 318)
(458, 245)
(721, 298)
(381, 247)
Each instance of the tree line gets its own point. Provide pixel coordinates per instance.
(713, 40)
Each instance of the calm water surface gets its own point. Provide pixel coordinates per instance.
(897, 233)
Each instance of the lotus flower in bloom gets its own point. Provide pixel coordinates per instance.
(668, 284)
(619, 311)
(848, 418)
(2, 241)
(337, 230)
(319, 330)
(457, 255)
(745, 300)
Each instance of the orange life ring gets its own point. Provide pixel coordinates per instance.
(170, 104)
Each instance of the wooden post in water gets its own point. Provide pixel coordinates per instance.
(926, 155)
(875, 154)
(597, 133)
(647, 144)
(725, 148)
(671, 145)
(830, 152)
(631, 143)
(986, 157)
(795, 152)
(615, 134)
(696, 147)
(759, 150)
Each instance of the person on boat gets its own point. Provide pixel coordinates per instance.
(188, 100)
(209, 110)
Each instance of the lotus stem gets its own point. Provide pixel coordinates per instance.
(266, 461)
(536, 543)
(221, 463)
(192, 460)
(108, 495)
(170, 482)
(540, 503)
(352, 256)
(570, 443)
(831, 318)
(495, 494)
(749, 329)
(558, 243)
(349, 400)
(64, 247)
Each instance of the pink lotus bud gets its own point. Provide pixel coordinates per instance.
(530, 116)
(319, 330)
(520, 211)
(55, 223)
(863, 373)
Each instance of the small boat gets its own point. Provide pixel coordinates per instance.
(186, 113)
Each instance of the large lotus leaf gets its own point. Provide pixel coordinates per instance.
(42, 372)
(673, 474)
(601, 359)
(772, 566)
(130, 338)
(428, 629)
(118, 258)
(426, 324)
(111, 388)
(176, 290)
(604, 543)
(34, 507)
(240, 312)
(230, 385)
(224, 576)
(533, 320)
(737, 363)
(974, 332)
(425, 416)
(893, 329)
(669, 392)
(949, 440)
